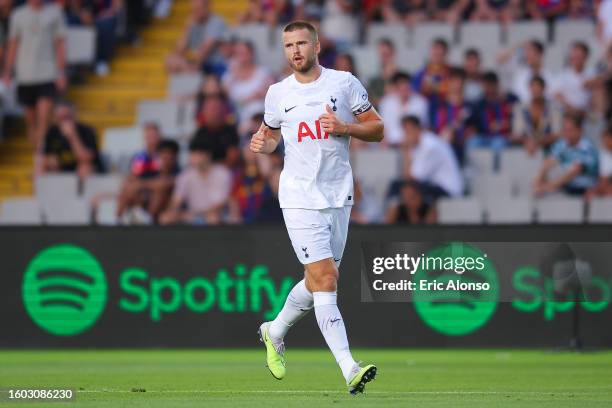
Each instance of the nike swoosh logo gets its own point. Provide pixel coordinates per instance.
(337, 260)
(287, 110)
(334, 321)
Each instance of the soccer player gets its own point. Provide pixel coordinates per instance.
(316, 111)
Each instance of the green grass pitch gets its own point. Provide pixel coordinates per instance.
(230, 378)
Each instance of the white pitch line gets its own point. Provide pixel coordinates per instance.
(342, 392)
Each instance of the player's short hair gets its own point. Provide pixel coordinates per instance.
(576, 118)
(400, 76)
(538, 79)
(168, 144)
(583, 46)
(302, 25)
(412, 120)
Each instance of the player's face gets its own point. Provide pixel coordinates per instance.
(300, 50)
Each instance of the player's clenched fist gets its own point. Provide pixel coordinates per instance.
(258, 140)
(331, 124)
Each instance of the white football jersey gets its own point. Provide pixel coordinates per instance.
(317, 172)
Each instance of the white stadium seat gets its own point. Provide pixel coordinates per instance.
(56, 186)
(425, 33)
(522, 31)
(459, 211)
(120, 144)
(20, 211)
(66, 211)
(560, 210)
(509, 210)
(80, 45)
(600, 210)
(101, 183)
(181, 85)
(164, 113)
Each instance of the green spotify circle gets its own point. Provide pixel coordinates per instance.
(457, 312)
(64, 290)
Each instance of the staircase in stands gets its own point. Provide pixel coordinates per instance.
(137, 73)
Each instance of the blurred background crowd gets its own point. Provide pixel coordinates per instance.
(495, 111)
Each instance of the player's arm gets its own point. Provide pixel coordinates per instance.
(265, 140)
(369, 126)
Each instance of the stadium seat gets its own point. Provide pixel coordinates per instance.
(366, 62)
(600, 210)
(492, 186)
(555, 57)
(425, 33)
(523, 168)
(519, 32)
(96, 184)
(481, 160)
(257, 34)
(182, 85)
(482, 35)
(164, 113)
(375, 169)
(459, 211)
(106, 212)
(66, 211)
(56, 186)
(509, 211)
(397, 33)
(560, 210)
(411, 59)
(187, 117)
(271, 57)
(568, 31)
(20, 211)
(120, 144)
(80, 45)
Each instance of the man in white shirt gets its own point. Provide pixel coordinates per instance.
(432, 161)
(516, 74)
(399, 102)
(569, 87)
(316, 111)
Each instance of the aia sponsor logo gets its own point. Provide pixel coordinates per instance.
(306, 132)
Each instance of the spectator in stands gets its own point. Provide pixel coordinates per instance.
(345, 62)
(580, 10)
(245, 82)
(451, 11)
(503, 11)
(271, 12)
(545, 9)
(146, 193)
(449, 117)
(604, 184)
(400, 101)
(38, 57)
(604, 23)
(577, 157)
(410, 12)
(106, 17)
(516, 74)
(219, 136)
(6, 6)
(340, 23)
(77, 13)
(472, 90)
(387, 68)
(212, 88)
(411, 208)
(492, 116)
(196, 49)
(70, 145)
(536, 124)
(432, 79)
(601, 87)
(569, 87)
(202, 191)
(430, 162)
(252, 190)
(145, 164)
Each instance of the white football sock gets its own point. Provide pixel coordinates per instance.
(332, 326)
(299, 302)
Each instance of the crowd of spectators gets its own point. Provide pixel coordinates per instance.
(433, 116)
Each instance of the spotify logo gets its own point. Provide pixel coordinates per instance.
(458, 312)
(64, 290)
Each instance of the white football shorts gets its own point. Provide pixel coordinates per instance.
(318, 234)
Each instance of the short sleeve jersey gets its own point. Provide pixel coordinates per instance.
(317, 173)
